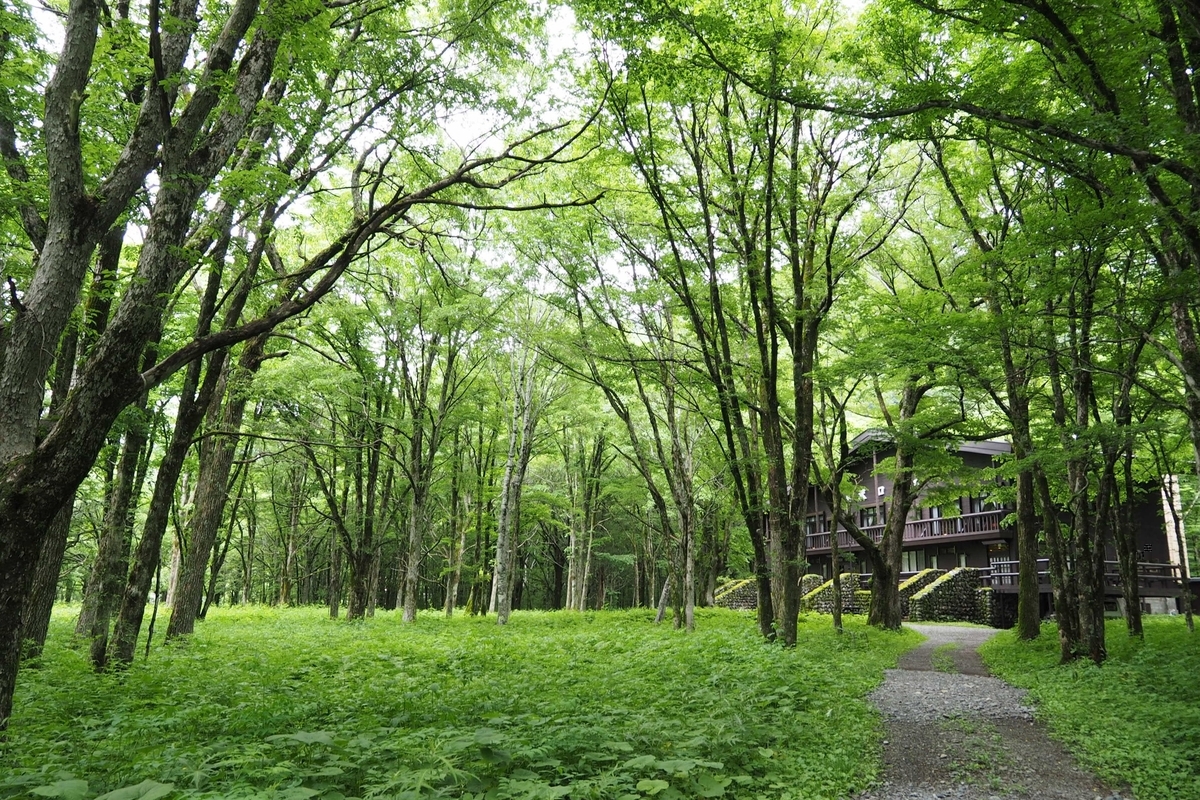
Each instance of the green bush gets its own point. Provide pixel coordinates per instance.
(289, 704)
(1135, 720)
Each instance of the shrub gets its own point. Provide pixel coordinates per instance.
(1135, 720)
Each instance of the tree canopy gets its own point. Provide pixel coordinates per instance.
(495, 305)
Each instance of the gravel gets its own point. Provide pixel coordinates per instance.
(908, 697)
(967, 736)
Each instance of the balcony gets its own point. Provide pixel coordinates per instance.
(1154, 580)
(967, 526)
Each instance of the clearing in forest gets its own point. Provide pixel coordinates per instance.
(264, 702)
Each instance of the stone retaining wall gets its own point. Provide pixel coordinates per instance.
(953, 597)
(821, 598)
(932, 595)
(740, 596)
(915, 584)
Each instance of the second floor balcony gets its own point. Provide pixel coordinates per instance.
(966, 526)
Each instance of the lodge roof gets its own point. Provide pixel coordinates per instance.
(874, 439)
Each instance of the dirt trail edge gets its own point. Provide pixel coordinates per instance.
(955, 733)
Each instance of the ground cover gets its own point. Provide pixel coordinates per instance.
(942, 657)
(287, 704)
(1136, 720)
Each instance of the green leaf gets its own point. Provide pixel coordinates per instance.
(304, 737)
(326, 772)
(708, 786)
(298, 793)
(651, 787)
(676, 765)
(146, 790)
(637, 762)
(68, 790)
(488, 736)
(494, 755)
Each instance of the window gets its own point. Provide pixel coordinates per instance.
(868, 517)
(913, 561)
(810, 525)
(978, 505)
(962, 559)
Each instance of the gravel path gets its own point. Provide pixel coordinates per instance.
(955, 733)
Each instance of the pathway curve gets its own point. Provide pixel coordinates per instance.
(955, 733)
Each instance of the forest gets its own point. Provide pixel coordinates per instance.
(482, 305)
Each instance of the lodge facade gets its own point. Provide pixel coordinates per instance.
(973, 533)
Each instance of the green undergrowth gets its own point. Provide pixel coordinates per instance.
(1134, 721)
(943, 657)
(273, 703)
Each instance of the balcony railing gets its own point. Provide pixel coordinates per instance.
(1152, 577)
(983, 522)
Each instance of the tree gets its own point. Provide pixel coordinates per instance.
(436, 367)
(532, 387)
(1060, 78)
(183, 123)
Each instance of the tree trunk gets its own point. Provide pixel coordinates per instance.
(195, 397)
(1171, 490)
(662, 602)
(173, 570)
(689, 582)
(40, 605)
(835, 556)
(248, 562)
(373, 591)
(221, 548)
(1089, 566)
(212, 488)
(112, 555)
(527, 409)
(417, 522)
(149, 549)
(1063, 580)
(360, 583)
(1029, 623)
(45, 584)
(296, 500)
(88, 601)
(455, 576)
(335, 575)
(885, 610)
(1125, 536)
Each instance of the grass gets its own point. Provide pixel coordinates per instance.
(1134, 721)
(978, 748)
(943, 657)
(287, 704)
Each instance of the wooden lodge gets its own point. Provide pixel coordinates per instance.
(973, 533)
